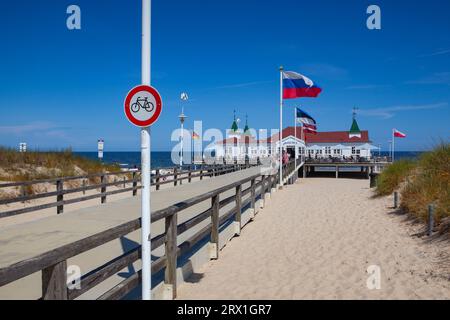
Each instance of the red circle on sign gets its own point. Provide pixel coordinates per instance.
(148, 122)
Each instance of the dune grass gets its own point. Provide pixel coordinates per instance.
(420, 183)
(391, 178)
(430, 184)
(32, 165)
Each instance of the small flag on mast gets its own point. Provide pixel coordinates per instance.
(195, 136)
(399, 134)
(308, 122)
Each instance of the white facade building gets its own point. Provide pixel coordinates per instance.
(343, 145)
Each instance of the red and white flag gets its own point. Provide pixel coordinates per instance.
(310, 128)
(399, 134)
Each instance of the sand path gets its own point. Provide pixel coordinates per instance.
(315, 240)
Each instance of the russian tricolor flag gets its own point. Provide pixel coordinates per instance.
(296, 85)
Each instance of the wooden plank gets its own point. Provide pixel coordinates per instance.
(157, 179)
(170, 276)
(253, 196)
(59, 197)
(123, 288)
(83, 189)
(54, 281)
(65, 202)
(103, 189)
(49, 258)
(214, 246)
(53, 180)
(126, 286)
(238, 214)
(134, 184)
(105, 271)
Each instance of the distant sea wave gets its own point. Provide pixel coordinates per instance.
(163, 159)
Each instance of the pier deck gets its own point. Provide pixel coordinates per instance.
(31, 239)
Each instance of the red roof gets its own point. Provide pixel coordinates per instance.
(320, 137)
(324, 137)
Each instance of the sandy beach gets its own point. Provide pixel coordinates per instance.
(316, 240)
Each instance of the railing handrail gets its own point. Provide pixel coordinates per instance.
(96, 175)
(47, 259)
(157, 181)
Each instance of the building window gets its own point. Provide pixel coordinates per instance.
(353, 150)
(327, 150)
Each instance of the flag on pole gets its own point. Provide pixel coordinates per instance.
(399, 134)
(308, 122)
(296, 85)
(195, 136)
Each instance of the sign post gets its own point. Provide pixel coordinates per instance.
(100, 146)
(143, 106)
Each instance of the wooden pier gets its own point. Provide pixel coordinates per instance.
(365, 168)
(190, 224)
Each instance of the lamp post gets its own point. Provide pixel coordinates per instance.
(182, 117)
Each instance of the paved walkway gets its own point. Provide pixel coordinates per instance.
(316, 240)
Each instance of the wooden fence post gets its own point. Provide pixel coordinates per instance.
(253, 197)
(238, 214)
(157, 179)
(190, 175)
(201, 174)
(395, 199)
(124, 184)
(175, 176)
(214, 243)
(54, 282)
(430, 219)
(103, 188)
(134, 184)
(170, 279)
(59, 197)
(22, 192)
(84, 186)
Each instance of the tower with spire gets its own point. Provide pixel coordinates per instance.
(234, 125)
(354, 130)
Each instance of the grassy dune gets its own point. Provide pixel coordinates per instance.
(421, 183)
(32, 165)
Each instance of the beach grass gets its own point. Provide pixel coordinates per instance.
(394, 175)
(421, 182)
(33, 165)
(430, 184)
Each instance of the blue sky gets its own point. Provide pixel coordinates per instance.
(61, 88)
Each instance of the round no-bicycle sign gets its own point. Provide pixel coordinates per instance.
(143, 105)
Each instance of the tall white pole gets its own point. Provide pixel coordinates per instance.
(304, 143)
(182, 140)
(145, 160)
(280, 142)
(393, 145)
(295, 134)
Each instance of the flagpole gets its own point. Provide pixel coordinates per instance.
(303, 139)
(295, 134)
(393, 145)
(281, 128)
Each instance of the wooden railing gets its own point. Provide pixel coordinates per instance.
(53, 263)
(129, 183)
